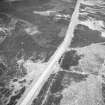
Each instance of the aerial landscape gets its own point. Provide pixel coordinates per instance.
(52, 52)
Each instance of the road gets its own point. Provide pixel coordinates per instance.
(36, 86)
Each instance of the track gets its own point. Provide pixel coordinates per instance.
(36, 86)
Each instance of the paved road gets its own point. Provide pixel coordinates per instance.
(36, 86)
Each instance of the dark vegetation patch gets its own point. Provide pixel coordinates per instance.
(83, 36)
(70, 58)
